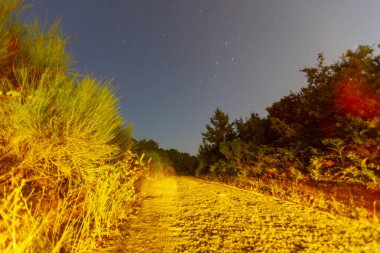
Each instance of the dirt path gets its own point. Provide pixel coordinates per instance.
(184, 214)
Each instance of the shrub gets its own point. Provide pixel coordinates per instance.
(66, 169)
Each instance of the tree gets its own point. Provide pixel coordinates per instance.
(252, 131)
(183, 163)
(339, 102)
(219, 131)
(146, 145)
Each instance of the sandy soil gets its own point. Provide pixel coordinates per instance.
(184, 214)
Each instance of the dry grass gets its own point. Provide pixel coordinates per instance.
(339, 202)
(67, 175)
(75, 222)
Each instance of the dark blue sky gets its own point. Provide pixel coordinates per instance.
(174, 62)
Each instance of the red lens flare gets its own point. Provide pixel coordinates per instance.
(357, 99)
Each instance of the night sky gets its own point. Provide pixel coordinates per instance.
(174, 62)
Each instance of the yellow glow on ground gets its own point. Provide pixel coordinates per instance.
(184, 214)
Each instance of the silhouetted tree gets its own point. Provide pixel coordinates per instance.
(183, 163)
(336, 116)
(252, 131)
(219, 131)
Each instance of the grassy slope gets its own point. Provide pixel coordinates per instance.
(67, 174)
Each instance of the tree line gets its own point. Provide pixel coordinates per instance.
(329, 130)
(182, 163)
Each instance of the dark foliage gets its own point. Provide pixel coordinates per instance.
(183, 163)
(329, 130)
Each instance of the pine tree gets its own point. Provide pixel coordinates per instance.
(218, 132)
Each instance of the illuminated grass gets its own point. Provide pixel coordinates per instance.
(67, 175)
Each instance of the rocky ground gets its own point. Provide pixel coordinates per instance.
(184, 214)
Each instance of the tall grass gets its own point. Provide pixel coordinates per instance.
(67, 175)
